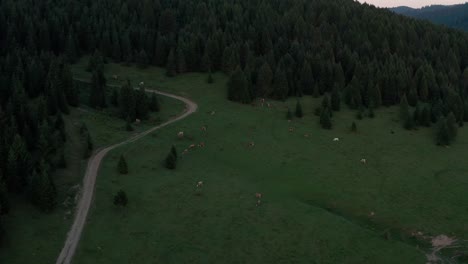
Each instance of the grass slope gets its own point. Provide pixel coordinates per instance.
(35, 237)
(317, 195)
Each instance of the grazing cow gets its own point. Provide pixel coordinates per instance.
(306, 135)
(363, 161)
(192, 146)
(269, 105)
(213, 112)
(203, 128)
(258, 203)
(185, 152)
(115, 77)
(201, 145)
(336, 139)
(137, 121)
(180, 134)
(199, 184)
(289, 120)
(251, 144)
(258, 196)
(142, 83)
(371, 213)
(291, 129)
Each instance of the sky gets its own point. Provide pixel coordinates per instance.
(411, 3)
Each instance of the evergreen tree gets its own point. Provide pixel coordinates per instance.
(114, 98)
(325, 119)
(142, 59)
(264, 80)
(442, 133)
(142, 107)
(289, 115)
(171, 161)
(181, 64)
(405, 116)
(97, 97)
(452, 126)
(353, 127)
(298, 109)
(238, 87)
(371, 109)
(17, 165)
(171, 67)
(120, 199)
(174, 151)
(325, 102)
(43, 192)
(209, 79)
(154, 103)
(122, 165)
(307, 79)
(425, 117)
(87, 145)
(128, 125)
(4, 202)
(335, 100)
(127, 102)
(280, 84)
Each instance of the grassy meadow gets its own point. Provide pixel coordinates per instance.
(320, 203)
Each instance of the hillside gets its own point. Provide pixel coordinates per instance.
(364, 58)
(455, 16)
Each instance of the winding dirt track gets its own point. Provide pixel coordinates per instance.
(73, 237)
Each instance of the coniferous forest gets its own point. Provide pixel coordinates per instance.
(367, 57)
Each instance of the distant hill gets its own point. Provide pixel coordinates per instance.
(455, 16)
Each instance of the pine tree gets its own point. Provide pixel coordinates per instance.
(171, 161)
(405, 117)
(209, 79)
(174, 151)
(426, 117)
(181, 64)
(299, 109)
(97, 97)
(128, 125)
(325, 102)
(142, 59)
(452, 126)
(120, 199)
(280, 85)
(289, 115)
(335, 100)
(238, 87)
(127, 102)
(154, 103)
(43, 192)
(122, 165)
(171, 67)
(142, 107)
(442, 133)
(325, 119)
(353, 127)
(4, 202)
(264, 80)
(87, 145)
(115, 98)
(371, 109)
(306, 79)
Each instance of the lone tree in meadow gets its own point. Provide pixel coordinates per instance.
(120, 199)
(209, 79)
(122, 165)
(335, 100)
(174, 151)
(325, 119)
(299, 109)
(154, 103)
(171, 159)
(289, 114)
(353, 127)
(442, 133)
(452, 128)
(405, 116)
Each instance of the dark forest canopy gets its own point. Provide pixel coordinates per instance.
(274, 48)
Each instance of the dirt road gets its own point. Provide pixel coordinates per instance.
(73, 236)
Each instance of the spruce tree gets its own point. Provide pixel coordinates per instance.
(122, 165)
(452, 126)
(238, 87)
(405, 116)
(171, 67)
(97, 96)
(43, 192)
(442, 133)
(335, 100)
(154, 103)
(4, 202)
(120, 199)
(426, 117)
(299, 109)
(128, 125)
(264, 80)
(371, 110)
(127, 102)
(115, 97)
(171, 161)
(289, 114)
(325, 119)
(174, 151)
(353, 127)
(280, 85)
(209, 79)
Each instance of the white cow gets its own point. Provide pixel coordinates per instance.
(336, 139)
(180, 134)
(199, 184)
(142, 83)
(363, 161)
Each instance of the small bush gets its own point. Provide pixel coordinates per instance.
(120, 199)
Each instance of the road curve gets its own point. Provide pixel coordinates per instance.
(73, 236)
